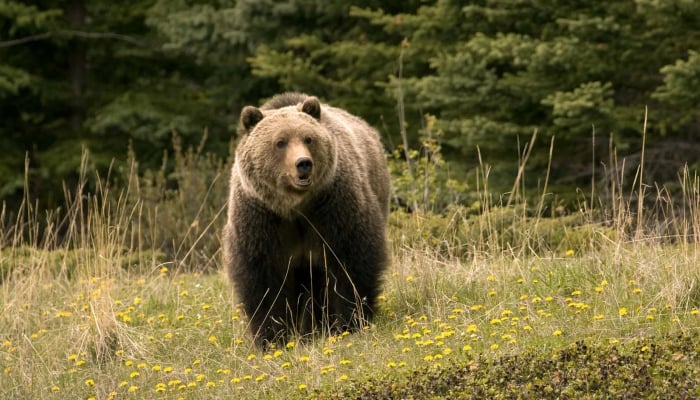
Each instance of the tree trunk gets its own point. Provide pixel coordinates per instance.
(75, 15)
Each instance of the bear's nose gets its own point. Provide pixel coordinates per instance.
(304, 166)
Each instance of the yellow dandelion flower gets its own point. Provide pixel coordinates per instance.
(134, 374)
(290, 345)
(694, 311)
(466, 347)
(494, 346)
(471, 328)
(301, 386)
(304, 358)
(156, 368)
(55, 388)
(623, 311)
(133, 389)
(90, 382)
(212, 339)
(409, 278)
(557, 333)
(345, 362)
(569, 252)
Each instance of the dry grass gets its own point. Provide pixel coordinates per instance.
(86, 314)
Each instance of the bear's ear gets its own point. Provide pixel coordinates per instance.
(250, 116)
(312, 107)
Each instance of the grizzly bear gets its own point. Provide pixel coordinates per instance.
(305, 240)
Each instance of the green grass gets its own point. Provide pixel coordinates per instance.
(112, 333)
(500, 304)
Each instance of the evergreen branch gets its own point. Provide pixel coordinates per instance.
(71, 33)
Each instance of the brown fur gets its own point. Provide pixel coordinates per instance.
(305, 240)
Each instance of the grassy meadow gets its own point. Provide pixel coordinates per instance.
(505, 303)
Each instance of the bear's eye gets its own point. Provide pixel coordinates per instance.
(281, 144)
(307, 140)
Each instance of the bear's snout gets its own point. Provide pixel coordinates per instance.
(304, 166)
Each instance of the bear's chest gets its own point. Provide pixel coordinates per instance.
(301, 245)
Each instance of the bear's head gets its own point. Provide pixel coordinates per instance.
(285, 155)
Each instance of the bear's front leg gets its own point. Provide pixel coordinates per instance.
(255, 267)
(355, 284)
(266, 306)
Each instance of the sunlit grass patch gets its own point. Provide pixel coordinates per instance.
(182, 334)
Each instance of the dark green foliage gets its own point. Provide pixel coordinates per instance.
(668, 368)
(105, 76)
